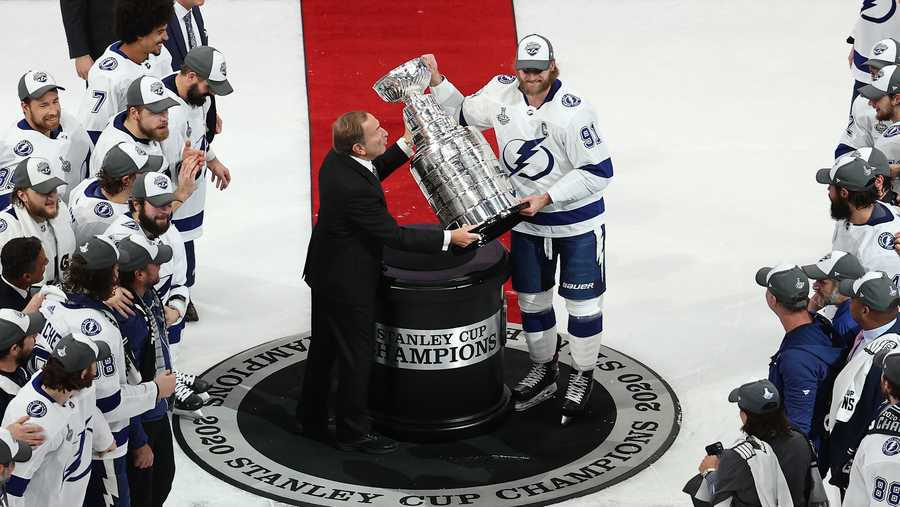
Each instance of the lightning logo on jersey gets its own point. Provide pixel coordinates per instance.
(519, 154)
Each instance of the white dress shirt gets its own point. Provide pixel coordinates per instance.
(180, 13)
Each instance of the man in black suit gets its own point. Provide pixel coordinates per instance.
(343, 268)
(89, 30)
(23, 261)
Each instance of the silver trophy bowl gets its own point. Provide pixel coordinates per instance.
(454, 166)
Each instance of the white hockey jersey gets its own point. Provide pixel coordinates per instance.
(56, 235)
(171, 288)
(69, 146)
(108, 82)
(863, 129)
(187, 122)
(878, 19)
(875, 475)
(115, 133)
(873, 242)
(889, 142)
(92, 212)
(556, 148)
(59, 469)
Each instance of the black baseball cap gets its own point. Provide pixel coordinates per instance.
(758, 397)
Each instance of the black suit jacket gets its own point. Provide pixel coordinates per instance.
(89, 26)
(343, 261)
(9, 298)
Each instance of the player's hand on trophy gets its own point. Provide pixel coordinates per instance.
(535, 204)
(431, 63)
(462, 237)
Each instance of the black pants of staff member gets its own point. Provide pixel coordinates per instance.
(342, 335)
(151, 486)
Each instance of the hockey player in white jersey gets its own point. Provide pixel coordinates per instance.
(864, 125)
(61, 399)
(38, 211)
(46, 130)
(141, 28)
(96, 202)
(12, 451)
(203, 75)
(863, 226)
(89, 281)
(550, 143)
(875, 474)
(878, 19)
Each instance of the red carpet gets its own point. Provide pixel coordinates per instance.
(350, 45)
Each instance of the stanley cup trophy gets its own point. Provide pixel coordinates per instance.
(454, 166)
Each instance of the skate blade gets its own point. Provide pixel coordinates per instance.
(546, 394)
(190, 414)
(203, 396)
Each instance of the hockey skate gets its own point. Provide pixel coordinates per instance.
(194, 383)
(187, 404)
(537, 386)
(578, 394)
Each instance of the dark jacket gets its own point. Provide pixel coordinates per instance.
(343, 261)
(845, 328)
(803, 370)
(89, 26)
(178, 48)
(9, 298)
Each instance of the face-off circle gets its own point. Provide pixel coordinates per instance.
(248, 439)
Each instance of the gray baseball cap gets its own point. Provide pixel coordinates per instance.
(38, 174)
(125, 158)
(35, 83)
(12, 450)
(16, 325)
(874, 289)
(885, 82)
(837, 265)
(850, 172)
(209, 64)
(99, 252)
(149, 92)
(787, 282)
(78, 352)
(534, 52)
(141, 251)
(883, 53)
(875, 158)
(153, 187)
(758, 397)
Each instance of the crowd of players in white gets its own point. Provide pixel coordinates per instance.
(67, 178)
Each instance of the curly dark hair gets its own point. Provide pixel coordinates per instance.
(56, 377)
(137, 18)
(111, 185)
(767, 427)
(96, 283)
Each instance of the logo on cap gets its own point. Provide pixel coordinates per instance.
(90, 327)
(23, 148)
(532, 48)
(40, 77)
(799, 283)
(61, 352)
(43, 168)
(768, 394)
(160, 181)
(84, 248)
(156, 88)
(879, 48)
(139, 150)
(222, 69)
(109, 63)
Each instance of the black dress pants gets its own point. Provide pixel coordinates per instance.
(151, 486)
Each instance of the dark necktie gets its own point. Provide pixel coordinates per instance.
(189, 28)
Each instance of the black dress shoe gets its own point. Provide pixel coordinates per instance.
(370, 443)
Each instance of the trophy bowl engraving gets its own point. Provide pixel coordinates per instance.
(454, 166)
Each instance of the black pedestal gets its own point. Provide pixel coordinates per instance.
(440, 333)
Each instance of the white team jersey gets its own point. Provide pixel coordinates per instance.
(187, 122)
(59, 469)
(878, 19)
(69, 146)
(864, 129)
(115, 133)
(873, 242)
(875, 475)
(108, 82)
(120, 394)
(92, 212)
(556, 149)
(171, 288)
(888, 142)
(56, 235)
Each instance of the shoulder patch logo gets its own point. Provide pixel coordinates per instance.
(892, 131)
(109, 63)
(131, 224)
(23, 148)
(103, 209)
(570, 100)
(90, 327)
(891, 447)
(886, 240)
(506, 79)
(3, 225)
(36, 408)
